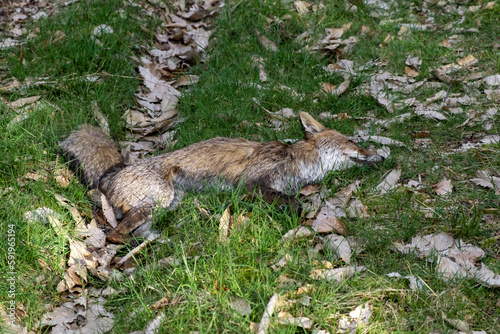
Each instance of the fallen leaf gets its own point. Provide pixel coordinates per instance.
(337, 275)
(330, 224)
(285, 318)
(266, 42)
(413, 61)
(328, 87)
(309, 190)
(108, 212)
(185, 80)
(102, 29)
(458, 324)
(431, 114)
(302, 7)
(492, 94)
(411, 72)
(389, 182)
(467, 61)
(492, 80)
(265, 321)
(240, 305)
(224, 224)
(365, 30)
(486, 180)
(339, 246)
(24, 101)
(443, 188)
(259, 61)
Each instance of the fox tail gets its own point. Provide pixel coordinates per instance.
(91, 154)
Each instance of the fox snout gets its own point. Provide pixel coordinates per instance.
(365, 157)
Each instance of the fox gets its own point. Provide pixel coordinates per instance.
(135, 190)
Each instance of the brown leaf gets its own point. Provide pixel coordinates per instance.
(403, 30)
(365, 30)
(185, 80)
(420, 134)
(302, 7)
(309, 190)
(467, 61)
(224, 224)
(108, 212)
(443, 188)
(335, 275)
(63, 176)
(446, 43)
(330, 224)
(328, 87)
(266, 42)
(410, 72)
(24, 101)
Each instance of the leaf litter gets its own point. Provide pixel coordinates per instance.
(186, 36)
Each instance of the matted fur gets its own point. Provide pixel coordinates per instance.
(92, 154)
(136, 189)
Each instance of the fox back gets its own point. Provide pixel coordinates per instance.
(225, 162)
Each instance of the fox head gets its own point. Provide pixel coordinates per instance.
(336, 151)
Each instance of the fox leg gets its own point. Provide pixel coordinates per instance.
(158, 190)
(134, 218)
(271, 196)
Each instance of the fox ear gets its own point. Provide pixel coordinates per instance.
(310, 126)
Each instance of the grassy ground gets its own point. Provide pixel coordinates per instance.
(210, 273)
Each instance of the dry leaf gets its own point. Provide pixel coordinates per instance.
(224, 224)
(302, 7)
(266, 42)
(411, 72)
(446, 43)
(330, 224)
(328, 87)
(108, 212)
(309, 190)
(403, 30)
(240, 305)
(431, 114)
(467, 61)
(485, 179)
(492, 94)
(186, 80)
(443, 188)
(298, 232)
(24, 101)
(337, 274)
(339, 246)
(355, 209)
(334, 33)
(492, 80)
(259, 61)
(458, 324)
(413, 61)
(382, 140)
(389, 182)
(285, 318)
(265, 321)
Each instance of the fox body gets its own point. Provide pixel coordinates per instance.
(134, 190)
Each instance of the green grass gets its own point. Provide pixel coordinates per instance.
(209, 272)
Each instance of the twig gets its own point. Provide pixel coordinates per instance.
(137, 249)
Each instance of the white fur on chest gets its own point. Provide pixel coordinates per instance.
(309, 172)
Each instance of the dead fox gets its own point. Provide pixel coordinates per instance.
(135, 190)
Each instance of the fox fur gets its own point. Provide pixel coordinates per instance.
(135, 190)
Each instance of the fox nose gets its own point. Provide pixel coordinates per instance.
(374, 158)
(370, 158)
